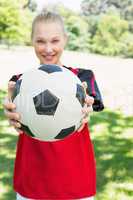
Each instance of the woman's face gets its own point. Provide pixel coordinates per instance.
(49, 41)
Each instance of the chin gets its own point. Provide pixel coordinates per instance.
(49, 62)
(52, 62)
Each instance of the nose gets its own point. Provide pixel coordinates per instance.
(48, 48)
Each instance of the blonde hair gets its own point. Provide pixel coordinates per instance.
(47, 16)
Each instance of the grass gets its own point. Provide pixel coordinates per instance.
(7, 155)
(112, 136)
(113, 142)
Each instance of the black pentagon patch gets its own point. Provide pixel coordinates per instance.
(16, 89)
(80, 94)
(65, 132)
(27, 130)
(46, 103)
(50, 68)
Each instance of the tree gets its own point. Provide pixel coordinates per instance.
(126, 48)
(14, 22)
(97, 7)
(30, 4)
(79, 37)
(93, 7)
(77, 28)
(108, 38)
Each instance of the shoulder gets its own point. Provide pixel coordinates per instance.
(81, 72)
(86, 73)
(15, 77)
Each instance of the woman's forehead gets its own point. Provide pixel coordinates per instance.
(51, 27)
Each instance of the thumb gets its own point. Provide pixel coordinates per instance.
(11, 86)
(84, 84)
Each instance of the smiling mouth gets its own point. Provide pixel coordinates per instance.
(48, 57)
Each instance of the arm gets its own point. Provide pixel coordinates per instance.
(9, 107)
(92, 88)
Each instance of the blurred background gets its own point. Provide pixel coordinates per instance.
(100, 38)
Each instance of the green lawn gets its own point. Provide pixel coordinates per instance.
(113, 141)
(112, 134)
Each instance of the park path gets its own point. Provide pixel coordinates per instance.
(114, 75)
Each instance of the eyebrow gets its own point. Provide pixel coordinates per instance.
(42, 38)
(56, 37)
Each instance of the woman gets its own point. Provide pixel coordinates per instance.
(62, 169)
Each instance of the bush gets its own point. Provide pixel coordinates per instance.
(107, 39)
(127, 45)
(78, 33)
(77, 29)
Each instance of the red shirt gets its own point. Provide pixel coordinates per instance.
(62, 169)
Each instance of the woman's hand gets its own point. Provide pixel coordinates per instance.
(9, 107)
(87, 107)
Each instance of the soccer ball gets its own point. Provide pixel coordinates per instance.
(49, 100)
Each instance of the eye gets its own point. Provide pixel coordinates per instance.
(39, 41)
(55, 41)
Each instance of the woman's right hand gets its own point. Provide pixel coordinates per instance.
(9, 107)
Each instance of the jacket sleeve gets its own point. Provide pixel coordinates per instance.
(92, 88)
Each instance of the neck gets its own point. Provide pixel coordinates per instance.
(59, 63)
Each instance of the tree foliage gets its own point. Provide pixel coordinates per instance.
(111, 26)
(108, 38)
(15, 22)
(77, 29)
(30, 4)
(97, 7)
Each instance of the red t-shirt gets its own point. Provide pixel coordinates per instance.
(63, 169)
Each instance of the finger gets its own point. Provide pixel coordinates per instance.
(81, 127)
(19, 130)
(89, 100)
(84, 121)
(84, 85)
(86, 110)
(8, 105)
(14, 123)
(12, 115)
(11, 86)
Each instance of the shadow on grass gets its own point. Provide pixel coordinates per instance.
(113, 141)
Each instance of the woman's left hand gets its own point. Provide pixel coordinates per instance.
(87, 108)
